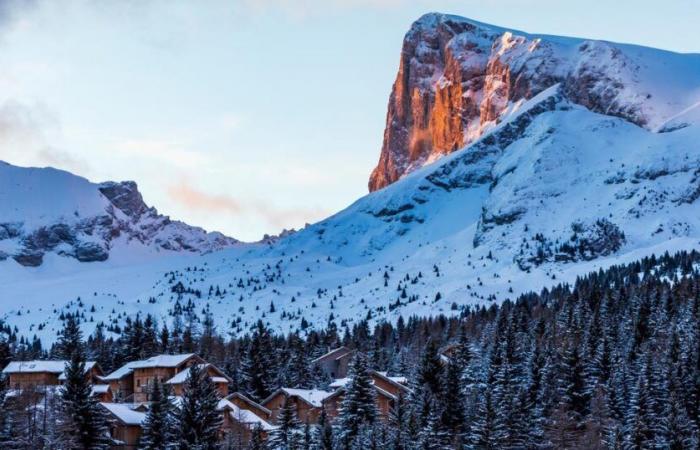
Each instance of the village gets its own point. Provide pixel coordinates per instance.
(125, 394)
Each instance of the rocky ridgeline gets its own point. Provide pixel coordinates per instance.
(457, 78)
(125, 217)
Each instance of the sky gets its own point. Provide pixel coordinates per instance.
(245, 116)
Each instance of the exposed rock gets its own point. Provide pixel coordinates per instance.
(90, 251)
(457, 78)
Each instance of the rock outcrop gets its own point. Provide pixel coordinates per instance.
(51, 211)
(458, 78)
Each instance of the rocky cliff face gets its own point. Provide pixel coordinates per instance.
(51, 211)
(458, 78)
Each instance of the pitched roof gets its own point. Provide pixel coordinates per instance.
(313, 397)
(163, 361)
(125, 412)
(245, 416)
(181, 377)
(121, 372)
(35, 367)
(394, 381)
(43, 366)
(99, 389)
(333, 354)
(249, 401)
(155, 361)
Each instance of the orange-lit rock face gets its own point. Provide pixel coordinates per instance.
(458, 78)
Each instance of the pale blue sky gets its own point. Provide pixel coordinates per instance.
(245, 116)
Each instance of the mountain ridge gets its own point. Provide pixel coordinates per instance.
(458, 77)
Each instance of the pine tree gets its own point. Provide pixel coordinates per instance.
(158, 432)
(358, 409)
(257, 442)
(83, 421)
(287, 435)
(198, 421)
(259, 366)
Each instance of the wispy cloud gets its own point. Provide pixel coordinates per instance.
(193, 198)
(23, 139)
(162, 151)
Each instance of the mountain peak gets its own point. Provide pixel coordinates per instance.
(458, 78)
(49, 211)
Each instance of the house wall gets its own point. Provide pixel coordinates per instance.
(305, 412)
(123, 388)
(128, 434)
(144, 378)
(28, 380)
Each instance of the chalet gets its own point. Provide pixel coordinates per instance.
(245, 402)
(385, 401)
(306, 402)
(335, 363)
(240, 421)
(132, 382)
(30, 374)
(220, 380)
(126, 421)
(102, 392)
(388, 390)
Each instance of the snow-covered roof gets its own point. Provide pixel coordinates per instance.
(35, 367)
(43, 366)
(336, 353)
(399, 382)
(314, 397)
(126, 412)
(99, 389)
(162, 361)
(181, 377)
(248, 401)
(89, 365)
(245, 416)
(155, 361)
(121, 372)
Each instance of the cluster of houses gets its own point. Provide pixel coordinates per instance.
(124, 393)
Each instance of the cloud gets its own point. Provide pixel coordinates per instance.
(195, 199)
(23, 138)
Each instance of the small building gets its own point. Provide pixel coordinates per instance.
(30, 374)
(220, 380)
(125, 424)
(306, 402)
(102, 392)
(388, 390)
(133, 381)
(240, 422)
(121, 382)
(244, 402)
(385, 402)
(335, 363)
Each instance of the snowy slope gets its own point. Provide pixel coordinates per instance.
(551, 191)
(51, 211)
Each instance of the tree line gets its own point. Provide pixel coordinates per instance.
(611, 361)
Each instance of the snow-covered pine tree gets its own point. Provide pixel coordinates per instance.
(198, 421)
(358, 409)
(259, 366)
(158, 431)
(83, 422)
(287, 435)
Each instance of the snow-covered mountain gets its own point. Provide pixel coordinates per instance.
(553, 186)
(51, 211)
(458, 78)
